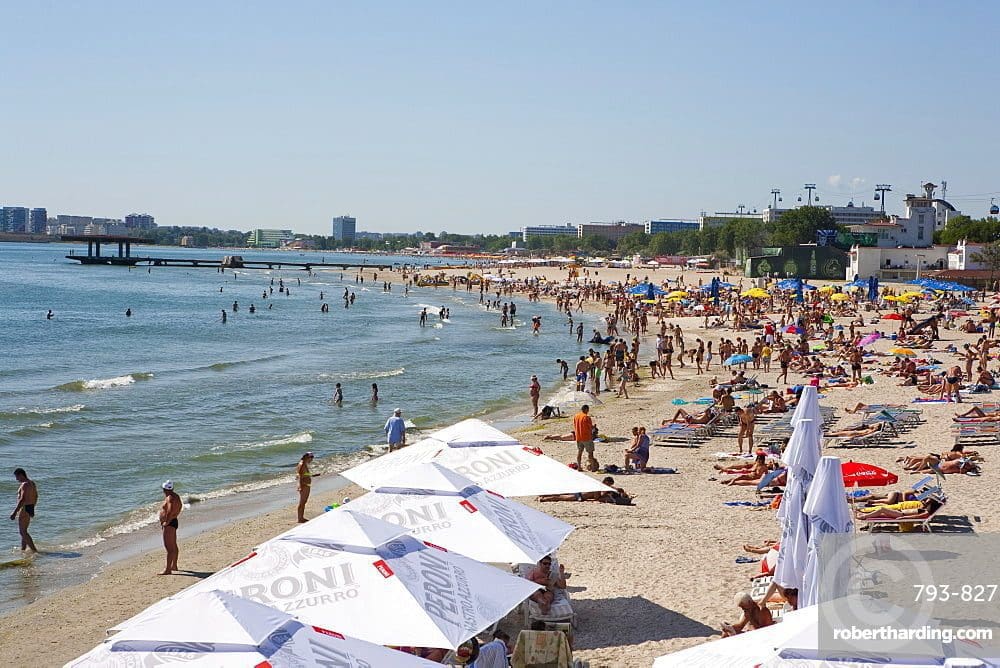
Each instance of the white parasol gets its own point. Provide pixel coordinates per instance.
(216, 629)
(370, 580)
(507, 470)
(447, 509)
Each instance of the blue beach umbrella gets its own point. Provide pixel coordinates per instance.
(737, 359)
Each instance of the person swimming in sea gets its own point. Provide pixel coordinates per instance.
(338, 395)
(225, 316)
(374, 398)
(50, 315)
(253, 309)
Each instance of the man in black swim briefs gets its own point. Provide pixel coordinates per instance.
(27, 497)
(169, 511)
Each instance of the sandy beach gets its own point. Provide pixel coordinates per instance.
(646, 580)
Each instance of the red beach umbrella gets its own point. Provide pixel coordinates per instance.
(892, 316)
(859, 474)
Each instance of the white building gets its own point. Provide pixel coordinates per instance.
(902, 264)
(922, 216)
(960, 257)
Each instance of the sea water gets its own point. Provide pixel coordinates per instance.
(101, 408)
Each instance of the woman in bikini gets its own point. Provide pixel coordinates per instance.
(304, 478)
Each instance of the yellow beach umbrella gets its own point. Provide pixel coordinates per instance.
(904, 352)
(840, 297)
(649, 301)
(826, 288)
(756, 293)
(677, 294)
(912, 294)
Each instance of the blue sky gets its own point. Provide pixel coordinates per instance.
(476, 117)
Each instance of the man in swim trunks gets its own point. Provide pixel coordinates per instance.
(169, 511)
(27, 497)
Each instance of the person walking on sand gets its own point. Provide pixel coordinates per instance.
(169, 512)
(27, 497)
(784, 359)
(534, 391)
(583, 431)
(304, 478)
(395, 430)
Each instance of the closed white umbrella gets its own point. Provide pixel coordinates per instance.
(215, 629)
(828, 513)
(438, 505)
(368, 579)
(801, 457)
(808, 406)
(505, 469)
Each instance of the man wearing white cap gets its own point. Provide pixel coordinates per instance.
(169, 511)
(395, 430)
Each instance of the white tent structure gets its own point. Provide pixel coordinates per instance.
(447, 509)
(511, 470)
(215, 629)
(801, 457)
(370, 580)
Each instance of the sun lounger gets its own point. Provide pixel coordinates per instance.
(923, 521)
(561, 609)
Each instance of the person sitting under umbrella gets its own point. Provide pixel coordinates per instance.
(542, 574)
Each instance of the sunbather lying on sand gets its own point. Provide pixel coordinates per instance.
(933, 459)
(856, 431)
(903, 509)
(977, 414)
(754, 616)
(959, 466)
(861, 407)
(684, 417)
(618, 497)
(763, 549)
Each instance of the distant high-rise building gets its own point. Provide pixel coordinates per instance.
(14, 219)
(140, 221)
(38, 219)
(344, 228)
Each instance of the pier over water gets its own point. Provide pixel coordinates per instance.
(124, 257)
